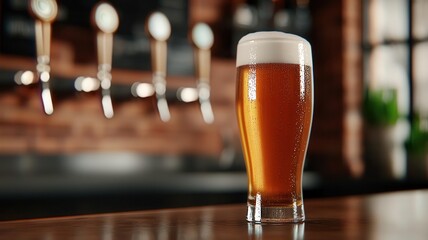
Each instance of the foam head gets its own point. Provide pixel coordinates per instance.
(273, 47)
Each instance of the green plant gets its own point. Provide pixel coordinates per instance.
(418, 139)
(381, 107)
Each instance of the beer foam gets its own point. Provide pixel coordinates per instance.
(273, 47)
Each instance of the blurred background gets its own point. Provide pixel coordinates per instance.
(370, 128)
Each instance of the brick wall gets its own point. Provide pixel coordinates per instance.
(337, 128)
(79, 125)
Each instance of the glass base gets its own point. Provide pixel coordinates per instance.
(260, 214)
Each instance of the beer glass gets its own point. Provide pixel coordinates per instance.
(274, 104)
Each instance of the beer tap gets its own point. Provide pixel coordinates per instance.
(106, 20)
(45, 12)
(203, 39)
(159, 30)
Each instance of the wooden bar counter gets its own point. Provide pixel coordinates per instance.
(395, 215)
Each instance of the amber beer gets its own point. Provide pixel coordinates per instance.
(274, 102)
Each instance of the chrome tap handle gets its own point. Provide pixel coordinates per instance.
(106, 21)
(45, 12)
(203, 39)
(159, 30)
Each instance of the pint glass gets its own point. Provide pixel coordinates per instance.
(274, 104)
